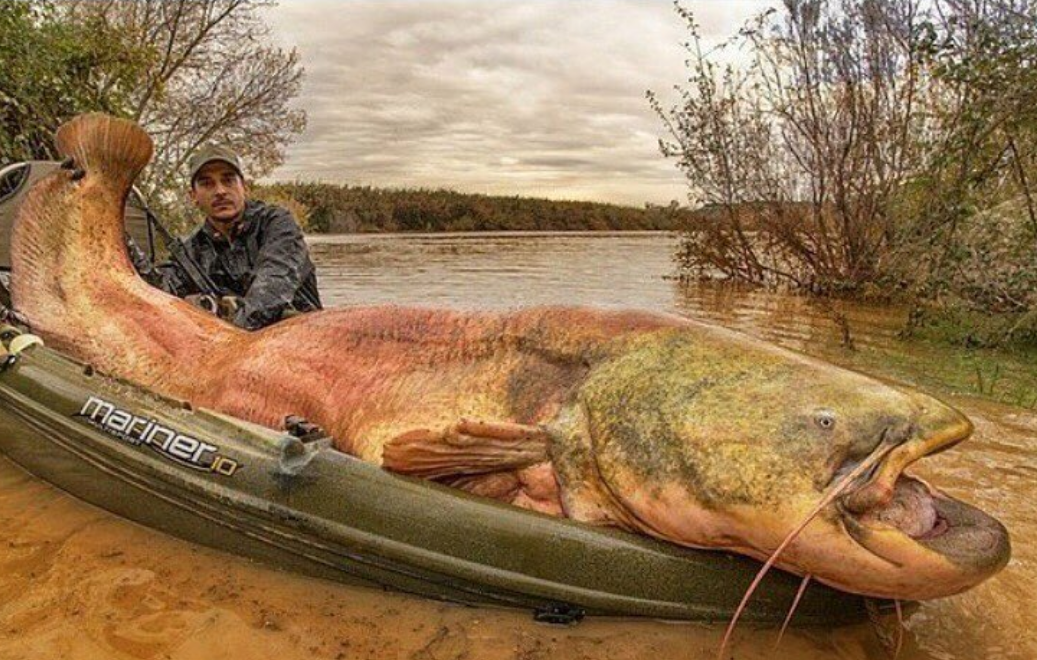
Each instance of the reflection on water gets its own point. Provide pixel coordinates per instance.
(476, 271)
(77, 582)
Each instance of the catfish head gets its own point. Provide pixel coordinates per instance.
(710, 439)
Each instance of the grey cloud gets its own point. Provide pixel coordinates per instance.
(544, 97)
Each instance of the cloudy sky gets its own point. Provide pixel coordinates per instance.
(535, 97)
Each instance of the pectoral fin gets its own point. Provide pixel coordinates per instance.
(467, 448)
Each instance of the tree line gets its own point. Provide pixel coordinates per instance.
(868, 148)
(334, 208)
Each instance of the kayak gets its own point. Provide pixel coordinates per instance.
(291, 500)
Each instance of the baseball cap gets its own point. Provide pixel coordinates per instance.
(213, 152)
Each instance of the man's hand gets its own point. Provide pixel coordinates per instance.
(11, 316)
(228, 307)
(204, 302)
(225, 307)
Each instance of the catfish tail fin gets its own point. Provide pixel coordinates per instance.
(117, 149)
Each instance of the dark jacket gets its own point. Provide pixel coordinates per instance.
(266, 264)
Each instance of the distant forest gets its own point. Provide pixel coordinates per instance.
(337, 209)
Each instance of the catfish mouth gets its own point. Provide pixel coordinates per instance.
(917, 515)
(927, 534)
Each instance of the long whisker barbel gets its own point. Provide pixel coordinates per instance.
(837, 489)
(900, 629)
(792, 610)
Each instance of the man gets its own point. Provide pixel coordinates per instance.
(253, 252)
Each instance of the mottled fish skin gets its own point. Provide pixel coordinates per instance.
(653, 423)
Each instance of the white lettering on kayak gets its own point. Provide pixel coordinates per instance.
(138, 430)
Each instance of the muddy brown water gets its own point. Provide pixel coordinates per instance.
(78, 583)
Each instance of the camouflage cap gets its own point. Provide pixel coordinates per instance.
(214, 152)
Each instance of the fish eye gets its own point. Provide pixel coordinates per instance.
(825, 419)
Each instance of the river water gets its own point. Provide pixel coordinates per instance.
(76, 582)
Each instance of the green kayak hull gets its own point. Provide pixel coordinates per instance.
(302, 506)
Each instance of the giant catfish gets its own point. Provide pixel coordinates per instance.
(656, 424)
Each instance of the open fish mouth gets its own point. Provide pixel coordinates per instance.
(912, 525)
(916, 514)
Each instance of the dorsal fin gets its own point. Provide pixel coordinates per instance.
(101, 144)
(469, 447)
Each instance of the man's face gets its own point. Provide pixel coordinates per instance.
(219, 192)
